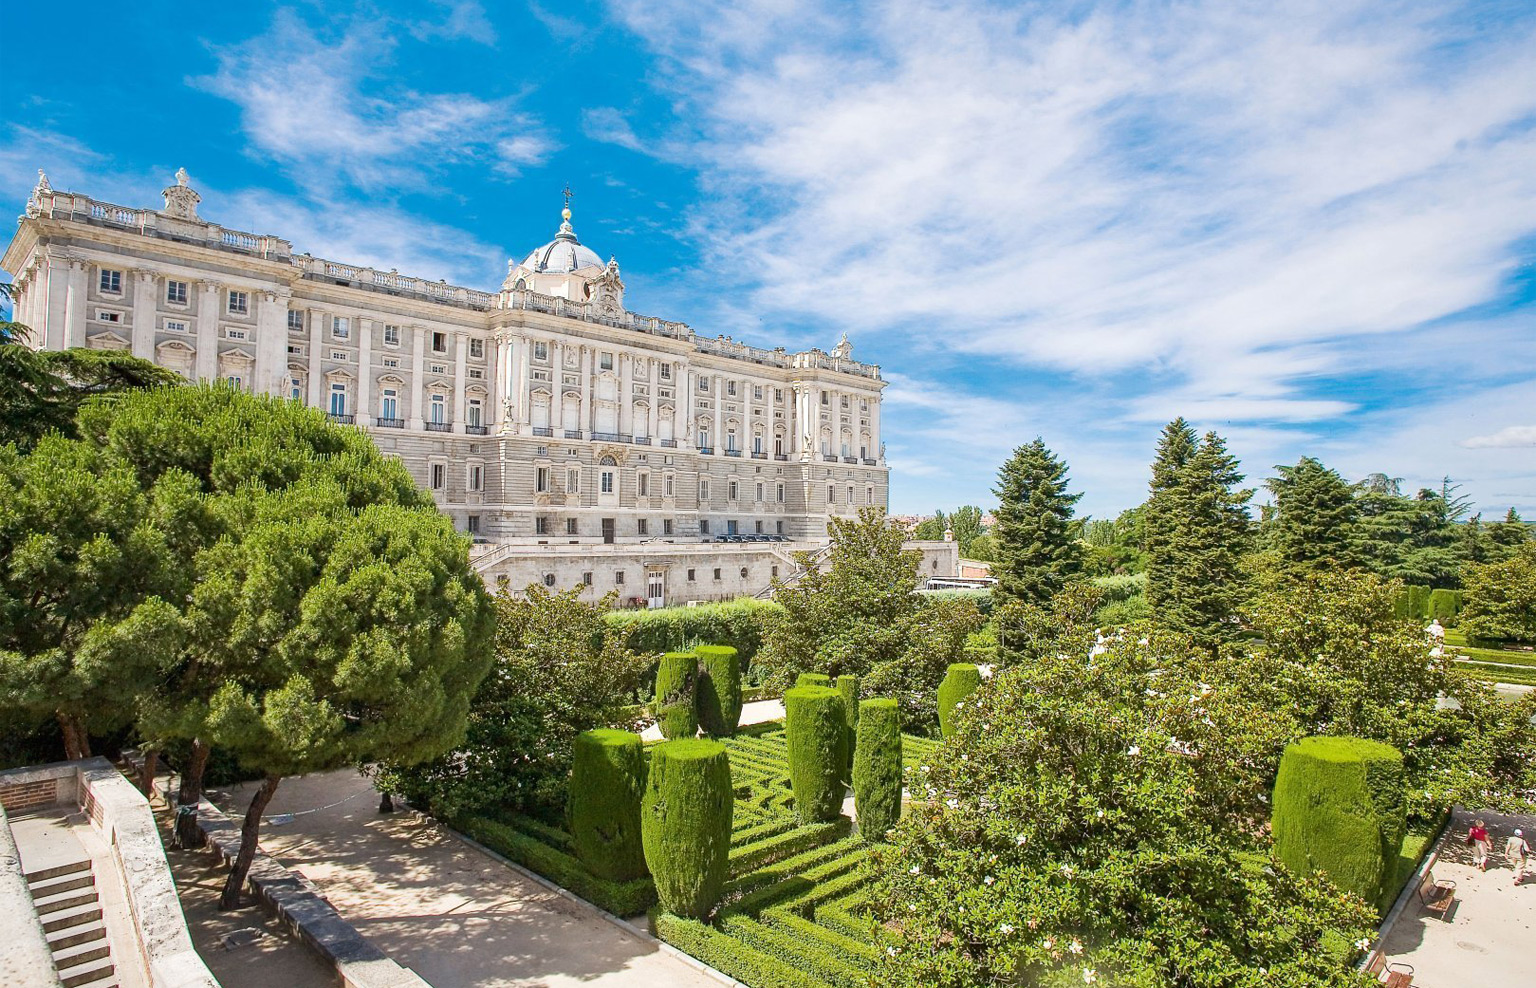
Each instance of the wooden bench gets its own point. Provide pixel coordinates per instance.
(1393, 975)
(1437, 896)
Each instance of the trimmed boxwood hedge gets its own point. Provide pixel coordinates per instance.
(607, 777)
(1340, 808)
(629, 898)
(813, 679)
(730, 956)
(877, 768)
(815, 730)
(676, 695)
(742, 623)
(686, 824)
(719, 689)
(960, 681)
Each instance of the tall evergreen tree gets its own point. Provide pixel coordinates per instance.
(1315, 518)
(1037, 549)
(1201, 562)
(1166, 511)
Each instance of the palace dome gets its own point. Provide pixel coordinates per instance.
(563, 254)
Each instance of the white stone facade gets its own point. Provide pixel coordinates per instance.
(541, 414)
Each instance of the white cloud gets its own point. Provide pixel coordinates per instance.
(465, 19)
(1509, 437)
(608, 125)
(331, 111)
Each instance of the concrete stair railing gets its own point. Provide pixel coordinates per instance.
(66, 902)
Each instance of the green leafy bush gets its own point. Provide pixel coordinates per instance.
(1339, 808)
(742, 624)
(982, 599)
(877, 768)
(960, 681)
(686, 824)
(607, 777)
(813, 679)
(815, 729)
(1501, 600)
(676, 695)
(719, 689)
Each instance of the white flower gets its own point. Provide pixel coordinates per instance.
(1006, 929)
(1076, 946)
(1133, 750)
(1362, 943)
(912, 907)
(988, 880)
(1089, 976)
(1048, 943)
(891, 951)
(922, 768)
(952, 803)
(915, 869)
(1066, 870)
(1101, 814)
(1021, 840)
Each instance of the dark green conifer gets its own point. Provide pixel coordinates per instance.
(1315, 518)
(1037, 545)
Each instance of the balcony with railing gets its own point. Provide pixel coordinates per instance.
(781, 457)
(829, 458)
(573, 433)
(439, 426)
(850, 459)
(870, 461)
(733, 452)
(475, 430)
(383, 423)
(543, 430)
(669, 444)
(759, 456)
(341, 419)
(707, 450)
(642, 440)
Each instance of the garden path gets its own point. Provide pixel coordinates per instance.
(452, 914)
(1487, 935)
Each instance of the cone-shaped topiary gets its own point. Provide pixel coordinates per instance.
(607, 778)
(816, 729)
(848, 688)
(877, 768)
(719, 689)
(676, 705)
(685, 824)
(960, 681)
(813, 679)
(1339, 807)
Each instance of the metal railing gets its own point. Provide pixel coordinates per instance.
(669, 443)
(439, 426)
(543, 430)
(390, 423)
(573, 433)
(475, 430)
(341, 419)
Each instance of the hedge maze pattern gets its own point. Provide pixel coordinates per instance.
(793, 913)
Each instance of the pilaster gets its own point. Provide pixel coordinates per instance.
(418, 418)
(208, 330)
(144, 314)
(364, 371)
(74, 304)
(316, 350)
(460, 368)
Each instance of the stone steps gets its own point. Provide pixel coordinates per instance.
(66, 902)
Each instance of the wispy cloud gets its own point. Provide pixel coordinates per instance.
(1509, 437)
(608, 125)
(333, 112)
(465, 19)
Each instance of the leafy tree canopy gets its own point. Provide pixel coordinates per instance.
(1500, 602)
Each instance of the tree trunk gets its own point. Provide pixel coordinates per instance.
(77, 743)
(386, 803)
(189, 795)
(147, 774)
(249, 831)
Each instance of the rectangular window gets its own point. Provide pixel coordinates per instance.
(586, 578)
(781, 493)
(296, 389)
(869, 495)
(541, 526)
(730, 490)
(239, 303)
(103, 315)
(439, 409)
(437, 368)
(570, 526)
(175, 326)
(618, 578)
(666, 372)
(703, 490)
(759, 491)
(690, 576)
(389, 404)
(477, 349)
(666, 526)
(757, 393)
(439, 342)
(541, 479)
(391, 361)
(473, 410)
(778, 394)
(605, 361)
(341, 327)
(234, 334)
(391, 335)
(541, 351)
(111, 282)
(338, 399)
(295, 321)
(717, 573)
(778, 528)
(730, 388)
(666, 486)
(605, 482)
(472, 524)
(703, 526)
(850, 495)
(338, 355)
(476, 476)
(640, 527)
(831, 494)
(703, 383)
(176, 292)
(759, 529)
(236, 382)
(573, 480)
(476, 374)
(438, 476)
(643, 484)
(826, 399)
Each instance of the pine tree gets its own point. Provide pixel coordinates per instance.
(1166, 510)
(1315, 518)
(1202, 560)
(1037, 549)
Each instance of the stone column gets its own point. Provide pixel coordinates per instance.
(840, 422)
(682, 407)
(74, 304)
(144, 314)
(364, 408)
(874, 428)
(626, 394)
(586, 392)
(271, 342)
(316, 345)
(208, 330)
(53, 328)
(522, 407)
(654, 419)
(418, 418)
(460, 362)
(717, 436)
(501, 384)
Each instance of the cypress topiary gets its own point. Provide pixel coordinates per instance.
(1444, 605)
(877, 768)
(816, 729)
(676, 708)
(685, 824)
(960, 681)
(1339, 808)
(607, 778)
(719, 689)
(1418, 602)
(813, 679)
(848, 687)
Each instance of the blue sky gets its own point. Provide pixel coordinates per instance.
(1310, 226)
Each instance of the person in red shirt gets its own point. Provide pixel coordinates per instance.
(1481, 845)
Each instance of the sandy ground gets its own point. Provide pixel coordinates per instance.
(1488, 937)
(455, 916)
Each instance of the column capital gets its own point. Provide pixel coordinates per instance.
(145, 274)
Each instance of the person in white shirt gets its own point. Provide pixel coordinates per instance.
(1517, 852)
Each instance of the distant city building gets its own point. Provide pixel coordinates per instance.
(575, 439)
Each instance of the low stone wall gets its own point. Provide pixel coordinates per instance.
(24, 955)
(122, 815)
(358, 963)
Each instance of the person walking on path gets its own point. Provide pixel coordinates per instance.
(1517, 852)
(1481, 845)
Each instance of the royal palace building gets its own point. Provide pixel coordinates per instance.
(575, 440)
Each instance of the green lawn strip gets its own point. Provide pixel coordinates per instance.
(1506, 656)
(620, 898)
(854, 951)
(792, 949)
(730, 956)
(749, 857)
(1498, 674)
